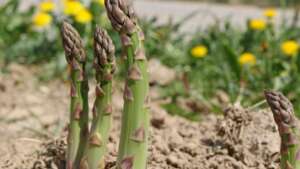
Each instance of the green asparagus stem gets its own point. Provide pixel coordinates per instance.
(78, 128)
(104, 64)
(285, 119)
(135, 119)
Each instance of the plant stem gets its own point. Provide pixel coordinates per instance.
(78, 128)
(135, 119)
(104, 64)
(285, 119)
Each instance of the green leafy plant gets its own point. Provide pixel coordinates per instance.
(239, 62)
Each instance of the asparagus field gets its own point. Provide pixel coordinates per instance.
(123, 97)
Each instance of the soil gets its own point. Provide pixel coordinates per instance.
(33, 118)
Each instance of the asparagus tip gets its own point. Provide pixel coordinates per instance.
(284, 117)
(121, 15)
(72, 43)
(104, 49)
(281, 107)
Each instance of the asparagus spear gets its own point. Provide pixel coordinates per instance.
(135, 119)
(78, 128)
(285, 119)
(104, 64)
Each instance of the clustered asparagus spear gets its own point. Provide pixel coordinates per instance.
(78, 128)
(104, 64)
(135, 119)
(285, 119)
(87, 150)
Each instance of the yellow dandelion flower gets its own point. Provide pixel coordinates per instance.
(199, 51)
(83, 16)
(47, 6)
(270, 13)
(72, 7)
(257, 24)
(247, 59)
(101, 2)
(42, 19)
(290, 47)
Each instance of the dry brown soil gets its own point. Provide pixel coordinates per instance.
(33, 118)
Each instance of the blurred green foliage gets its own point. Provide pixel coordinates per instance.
(209, 81)
(221, 70)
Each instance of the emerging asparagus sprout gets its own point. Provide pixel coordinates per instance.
(135, 119)
(104, 64)
(285, 119)
(78, 128)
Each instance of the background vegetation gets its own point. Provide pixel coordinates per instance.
(216, 66)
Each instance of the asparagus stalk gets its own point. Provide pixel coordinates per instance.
(135, 119)
(78, 128)
(285, 119)
(104, 64)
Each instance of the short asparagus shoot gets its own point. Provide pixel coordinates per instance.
(283, 113)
